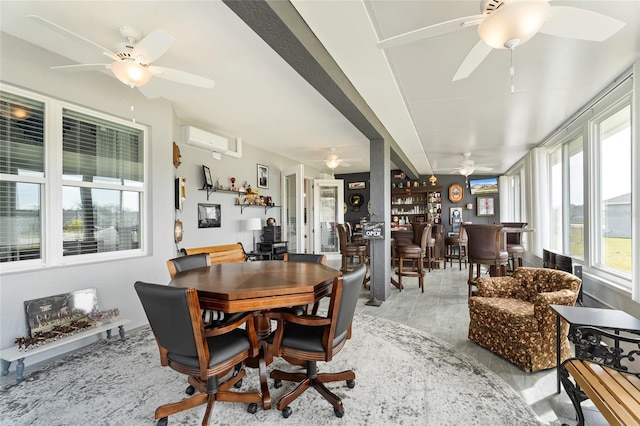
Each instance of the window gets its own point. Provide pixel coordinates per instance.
(613, 191)
(22, 170)
(86, 170)
(590, 217)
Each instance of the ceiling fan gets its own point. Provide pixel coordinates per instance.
(131, 59)
(467, 166)
(505, 24)
(333, 161)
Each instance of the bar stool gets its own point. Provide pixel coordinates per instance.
(415, 252)
(514, 244)
(456, 244)
(349, 251)
(485, 248)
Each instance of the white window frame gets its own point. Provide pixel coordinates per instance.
(51, 189)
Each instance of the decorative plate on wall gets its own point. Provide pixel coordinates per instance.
(456, 193)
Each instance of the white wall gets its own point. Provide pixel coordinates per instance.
(27, 66)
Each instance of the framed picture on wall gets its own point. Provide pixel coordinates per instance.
(263, 176)
(485, 206)
(455, 215)
(209, 215)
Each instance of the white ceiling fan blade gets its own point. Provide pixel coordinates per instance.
(153, 46)
(430, 31)
(344, 164)
(82, 67)
(474, 58)
(580, 24)
(65, 32)
(182, 77)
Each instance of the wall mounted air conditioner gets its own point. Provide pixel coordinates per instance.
(205, 140)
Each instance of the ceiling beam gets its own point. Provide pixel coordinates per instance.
(280, 25)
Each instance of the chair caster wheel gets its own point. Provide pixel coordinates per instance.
(163, 422)
(351, 384)
(277, 383)
(252, 408)
(286, 412)
(339, 413)
(238, 384)
(190, 390)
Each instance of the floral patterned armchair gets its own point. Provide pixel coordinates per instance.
(511, 316)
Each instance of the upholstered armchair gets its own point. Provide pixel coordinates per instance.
(511, 316)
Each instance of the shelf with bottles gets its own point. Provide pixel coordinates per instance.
(434, 206)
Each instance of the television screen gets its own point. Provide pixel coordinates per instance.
(483, 186)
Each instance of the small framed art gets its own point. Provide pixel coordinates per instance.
(209, 216)
(208, 182)
(485, 206)
(263, 176)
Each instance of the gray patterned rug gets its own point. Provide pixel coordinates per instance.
(403, 377)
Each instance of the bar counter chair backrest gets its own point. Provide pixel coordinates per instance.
(350, 251)
(202, 354)
(485, 248)
(415, 253)
(311, 338)
(514, 243)
(456, 247)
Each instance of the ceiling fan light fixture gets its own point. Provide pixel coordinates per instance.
(131, 73)
(332, 162)
(519, 20)
(466, 170)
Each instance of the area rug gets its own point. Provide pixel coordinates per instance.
(403, 377)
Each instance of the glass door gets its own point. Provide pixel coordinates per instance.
(293, 208)
(328, 212)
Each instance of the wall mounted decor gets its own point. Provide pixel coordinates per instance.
(263, 176)
(455, 215)
(209, 215)
(485, 206)
(208, 182)
(456, 193)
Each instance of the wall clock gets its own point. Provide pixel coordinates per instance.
(456, 193)
(356, 200)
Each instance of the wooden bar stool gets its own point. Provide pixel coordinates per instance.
(485, 248)
(350, 252)
(414, 252)
(514, 244)
(456, 248)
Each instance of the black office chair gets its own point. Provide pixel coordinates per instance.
(204, 355)
(187, 263)
(311, 338)
(196, 261)
(308, 258)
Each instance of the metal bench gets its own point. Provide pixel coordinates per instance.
(601, 372)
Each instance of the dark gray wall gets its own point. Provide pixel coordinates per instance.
(443, 180)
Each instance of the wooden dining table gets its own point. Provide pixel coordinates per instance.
(258, 287)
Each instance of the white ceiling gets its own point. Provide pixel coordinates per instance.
(259, 98)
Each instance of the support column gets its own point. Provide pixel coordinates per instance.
(380, 195)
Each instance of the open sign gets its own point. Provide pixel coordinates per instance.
(373, 230)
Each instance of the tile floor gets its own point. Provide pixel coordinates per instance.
(442, 312)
